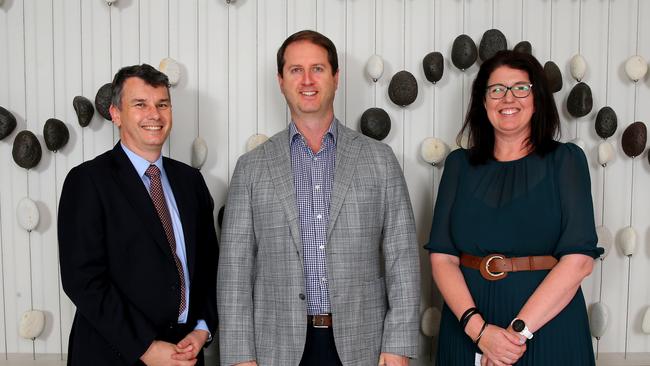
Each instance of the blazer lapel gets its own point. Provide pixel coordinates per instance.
(347, 149)
(279, 164)
(138, 197)
(187, 213)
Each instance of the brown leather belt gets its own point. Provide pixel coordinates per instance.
(320, 320)
(496, 266)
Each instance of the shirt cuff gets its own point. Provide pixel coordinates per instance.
(202, 325)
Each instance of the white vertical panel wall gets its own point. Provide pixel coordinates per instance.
(53, 50)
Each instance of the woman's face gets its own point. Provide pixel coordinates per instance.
(510, 116)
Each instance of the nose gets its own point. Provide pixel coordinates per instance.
(509, 96)
(152, 112)
(307, 78)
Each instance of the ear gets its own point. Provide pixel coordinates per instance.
(115, 115)
(336, 79)
(280, 82)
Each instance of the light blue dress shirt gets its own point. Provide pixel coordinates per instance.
(140, 164)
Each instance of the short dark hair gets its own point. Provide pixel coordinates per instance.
(146, 72)
(312, 37)
(544, 123)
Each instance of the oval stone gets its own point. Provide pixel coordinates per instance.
(553, 76)
(403, 88)
(375, 67)
(7, 123)
(103, 101)
(578, 67)
(27, 214)
(434, 65)
(32, 324)
(606, 122)
(463, 52)
(84, 109)
(580, 101)
(627, 241)
(55, 134)
(598, 319)
(492, 42)
(375, 123)
(26, 150)
(524, 47)
(634, 139)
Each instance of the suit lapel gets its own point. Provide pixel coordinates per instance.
(279, 164)
(182, 196)
(136, 194)
(347, 150)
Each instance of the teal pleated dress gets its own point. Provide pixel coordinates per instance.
(531, 206)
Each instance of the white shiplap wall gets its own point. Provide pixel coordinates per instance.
(53, 50)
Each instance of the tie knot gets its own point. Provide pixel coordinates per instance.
(152, 172)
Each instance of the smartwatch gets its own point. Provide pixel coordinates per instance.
(520, 327)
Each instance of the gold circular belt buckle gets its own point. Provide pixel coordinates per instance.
(485, 268)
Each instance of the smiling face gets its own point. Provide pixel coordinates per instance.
(144, 117)
(510, 116)
(307, 82)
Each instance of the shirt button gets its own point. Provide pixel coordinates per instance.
(301, 296)
(319, 216)
(323, 279)
(317, 187)
(315, 159)
(321, 247)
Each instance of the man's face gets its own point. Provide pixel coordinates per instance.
(307, 81)
(144, 117)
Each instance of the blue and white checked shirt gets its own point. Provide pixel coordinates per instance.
(313, 177)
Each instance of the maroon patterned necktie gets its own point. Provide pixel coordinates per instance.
(158, 198)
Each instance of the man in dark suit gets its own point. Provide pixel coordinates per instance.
(137, 243)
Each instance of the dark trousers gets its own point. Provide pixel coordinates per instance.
(174, 335)
(320, 349)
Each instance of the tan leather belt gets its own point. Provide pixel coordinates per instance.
(320, 320)
(496, 266)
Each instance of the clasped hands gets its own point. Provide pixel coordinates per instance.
(181, 354)
(501, 347)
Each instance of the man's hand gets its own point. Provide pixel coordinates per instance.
(160, 353)
(190, 346)
(390, 359)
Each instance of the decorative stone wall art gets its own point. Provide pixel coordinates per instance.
(255, 141)
(199, 152)
(434, 66)
(103, 101)
(375, 67)
(430, 322)
(523, 47)
(375, 123)
(32, 324)
(636, 67)
(598, 319)
(605, 239)
(55, 134)
(7, 123)
(578, 67)
(627, 241)
(463, 52)
(554, 76)
(492, 42)
(634, 139)
(84, 109)
(606, 122)
(26, 150)
(580, 100)
(645, 325)
(172, 69)
(434, 150)
(605, 153)
(27, 214)
(403, 88)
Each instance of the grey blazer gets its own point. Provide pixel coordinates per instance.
(372, 258)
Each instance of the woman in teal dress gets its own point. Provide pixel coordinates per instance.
(513, 232)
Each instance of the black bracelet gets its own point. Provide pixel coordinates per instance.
(467, 315)
(480, 334)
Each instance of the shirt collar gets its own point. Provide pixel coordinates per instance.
(332, 131)
(139, 163)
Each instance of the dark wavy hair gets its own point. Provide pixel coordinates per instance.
(544, 123)
(312, 37)
(146, 72)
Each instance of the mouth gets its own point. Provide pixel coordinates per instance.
(509, 111)
(152, 128)
(308, 93)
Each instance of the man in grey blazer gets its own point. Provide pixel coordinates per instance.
(318, 260)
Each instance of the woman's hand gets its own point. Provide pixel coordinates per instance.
(500, 347)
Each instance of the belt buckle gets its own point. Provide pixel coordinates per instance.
(484, 268)
(318, 321)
